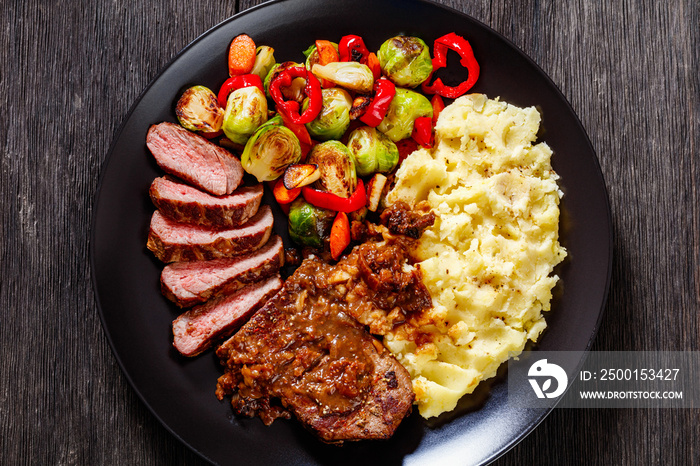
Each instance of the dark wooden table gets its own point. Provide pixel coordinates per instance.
(69, 72)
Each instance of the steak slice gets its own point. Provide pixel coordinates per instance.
(303, 354)
(192, 158)
(172, 241)
(186, 204)
(190, 283)
(197, 329)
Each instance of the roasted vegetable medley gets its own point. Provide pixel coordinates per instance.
(327, 132)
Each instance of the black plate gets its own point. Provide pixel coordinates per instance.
(136, 318)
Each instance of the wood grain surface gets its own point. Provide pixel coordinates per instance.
(69, 71)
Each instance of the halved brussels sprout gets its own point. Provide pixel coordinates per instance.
(405, 60)
(270, 151)
(373, 151)
(264, 61)
(246, 110)
(337, 167)
(405, 107)
(293, 92)
(350, 75)
(309, 225)
(198, 110)
(334, 118)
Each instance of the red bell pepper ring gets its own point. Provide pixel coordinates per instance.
(238, 82)
(423, 131)
(464, 49)
(353, 48)
(384, 92)
(290, 108)
(330, 201)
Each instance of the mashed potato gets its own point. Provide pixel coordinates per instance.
(488, 259)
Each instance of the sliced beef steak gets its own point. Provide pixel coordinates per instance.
(194, 159)
(190, 283)
(197, 329)
(172, 241)
(186, 204)
(303, 354)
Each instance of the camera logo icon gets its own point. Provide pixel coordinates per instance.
(546, 372)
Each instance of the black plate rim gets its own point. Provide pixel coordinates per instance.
(109, 159)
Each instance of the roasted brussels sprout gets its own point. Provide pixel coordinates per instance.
(405, 107)
(264, 61)
(350, 75)
(309, 225)
(373, 151)
(293, 92)
(334, 118)
(246, 110)
(337, 167)
(405, 60)
(270, 150)
(198, 110)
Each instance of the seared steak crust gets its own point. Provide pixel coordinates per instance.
(197, 329)
(190, 283)
(192, 158)
(303, 354)
(171, 241)
(187, 204)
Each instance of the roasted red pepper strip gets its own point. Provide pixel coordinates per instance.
(438, 106)
(374, 65)
(423, 131)
(462, 47)
(384, 92)
(290, 108)
(331, 201)
(352, 48)
(238, 82)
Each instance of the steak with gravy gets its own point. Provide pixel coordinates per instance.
(186, 204)
(303, 354)
(190, 283)
(197, 329)
(172, 241)
(194, 159)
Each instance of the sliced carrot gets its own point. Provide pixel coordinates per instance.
(438, 106)
(373, 64)
(327, 53)
(340, 235)
(284, 195)
(241, 55)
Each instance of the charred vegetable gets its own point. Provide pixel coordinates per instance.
(350, 75)
(246, 110)
(309, 225)
(313, 57)
(375, 187)
(337, 166)
(405, 60)
(293, 92)
(198, 110)
(300, 174)
(334, 118)
(405, 107)
(373, 151)
(264, 61)
(270, 151)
